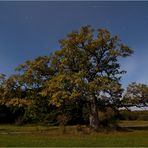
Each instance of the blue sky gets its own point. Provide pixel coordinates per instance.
(30, 29)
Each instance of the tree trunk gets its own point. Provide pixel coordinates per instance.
(94, 118)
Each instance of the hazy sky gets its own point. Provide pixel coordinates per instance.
(31, 29)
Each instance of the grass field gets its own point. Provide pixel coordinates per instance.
(135, 135)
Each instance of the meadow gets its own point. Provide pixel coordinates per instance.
(134, 134)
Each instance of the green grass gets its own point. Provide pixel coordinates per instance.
(136, 135)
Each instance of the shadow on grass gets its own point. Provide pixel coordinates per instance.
(139, 128)
(85, 130)
(4, 130)
(132, 128)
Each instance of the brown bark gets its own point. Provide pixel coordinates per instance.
(94, 118)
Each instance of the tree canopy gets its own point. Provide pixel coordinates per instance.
(80, 79)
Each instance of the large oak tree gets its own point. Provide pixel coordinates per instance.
(87, 68)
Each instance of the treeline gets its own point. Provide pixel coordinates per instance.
(21, 99)
(134, 115)
(78, 84)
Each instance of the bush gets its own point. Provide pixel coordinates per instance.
(133, 115)
(108, 118)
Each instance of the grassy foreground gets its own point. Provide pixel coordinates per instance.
(136, 135)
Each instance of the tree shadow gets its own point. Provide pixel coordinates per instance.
(132, 128)
(144, 128)
(4, 131)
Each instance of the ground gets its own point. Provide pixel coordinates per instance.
(135, 134)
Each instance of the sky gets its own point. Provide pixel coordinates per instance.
(31, 29)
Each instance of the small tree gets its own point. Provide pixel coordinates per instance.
(136, 95)
(33, 74)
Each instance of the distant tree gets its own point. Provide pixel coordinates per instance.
(136, 95)
(87, 68)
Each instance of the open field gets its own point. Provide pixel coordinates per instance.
(134, 135)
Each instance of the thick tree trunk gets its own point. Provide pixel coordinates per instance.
(94, 118)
